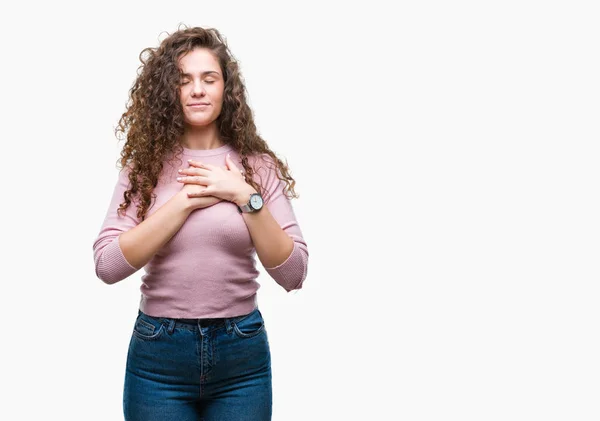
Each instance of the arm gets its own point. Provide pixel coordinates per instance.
(276, 234)
(124, 244)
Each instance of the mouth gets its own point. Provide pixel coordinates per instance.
(197, 104)
(199, 107)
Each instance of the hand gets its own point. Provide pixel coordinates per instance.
(227, 183)
(198, 202)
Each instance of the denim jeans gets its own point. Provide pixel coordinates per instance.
(198, 369)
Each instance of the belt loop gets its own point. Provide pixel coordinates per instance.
(170, 323)
(228, 324)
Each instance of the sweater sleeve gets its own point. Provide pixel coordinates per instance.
(291, 273)
(111, 265)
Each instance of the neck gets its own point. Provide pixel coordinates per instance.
(201, 137)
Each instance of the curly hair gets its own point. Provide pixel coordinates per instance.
(154, 119)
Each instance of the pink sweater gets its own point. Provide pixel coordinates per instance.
(208, 268)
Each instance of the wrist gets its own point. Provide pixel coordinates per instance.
(183, 201)
(244, 196)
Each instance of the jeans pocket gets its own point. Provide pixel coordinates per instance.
(147, 327)
(250, 325)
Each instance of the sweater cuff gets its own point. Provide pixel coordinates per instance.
(290, 273)
(113, 266)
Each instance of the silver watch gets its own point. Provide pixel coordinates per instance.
(255, 203)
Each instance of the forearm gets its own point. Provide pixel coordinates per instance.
(141, 243)
(273, 245)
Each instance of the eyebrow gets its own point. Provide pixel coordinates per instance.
(203, 73)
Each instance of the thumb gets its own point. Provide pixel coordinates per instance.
(230, 164)
(205, 192)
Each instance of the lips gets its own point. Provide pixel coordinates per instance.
(198, 103)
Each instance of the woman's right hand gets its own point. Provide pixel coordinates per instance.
(198, 202)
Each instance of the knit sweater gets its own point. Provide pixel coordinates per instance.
(208, 268)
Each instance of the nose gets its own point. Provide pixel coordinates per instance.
(198, 89)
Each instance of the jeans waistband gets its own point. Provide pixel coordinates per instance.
(204, 322)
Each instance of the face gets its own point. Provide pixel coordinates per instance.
(202, 82)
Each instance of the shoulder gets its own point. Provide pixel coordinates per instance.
(261, 160)
(263, 164)
(266, 174)
(124, 173)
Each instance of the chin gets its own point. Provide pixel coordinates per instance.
(199, 122)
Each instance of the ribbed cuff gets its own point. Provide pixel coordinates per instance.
(113, 267)
(290, 273)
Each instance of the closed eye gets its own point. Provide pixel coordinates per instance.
(207, 81)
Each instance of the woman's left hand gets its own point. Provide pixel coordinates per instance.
(226, 183)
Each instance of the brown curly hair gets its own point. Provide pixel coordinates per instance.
(154, 118)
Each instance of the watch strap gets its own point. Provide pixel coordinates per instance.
(245, 208)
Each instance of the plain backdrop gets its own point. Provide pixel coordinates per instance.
(446, 156)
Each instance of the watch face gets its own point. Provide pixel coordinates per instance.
(256, 201)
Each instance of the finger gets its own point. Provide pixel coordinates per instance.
(193, 171)
(202, 193)
(194, 163)
(194, 179)
(230, 163)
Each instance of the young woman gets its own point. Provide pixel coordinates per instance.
(199, 194)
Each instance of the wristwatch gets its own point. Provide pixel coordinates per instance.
(254, 204)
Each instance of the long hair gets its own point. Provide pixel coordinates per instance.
(154, 119)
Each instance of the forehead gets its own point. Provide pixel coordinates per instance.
(199, 61)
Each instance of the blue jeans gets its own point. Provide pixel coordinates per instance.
(198, 369)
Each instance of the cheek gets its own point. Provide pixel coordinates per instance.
(182, 98)
(217, 96)
(217, 92)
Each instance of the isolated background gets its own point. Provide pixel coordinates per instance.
(446, 157)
